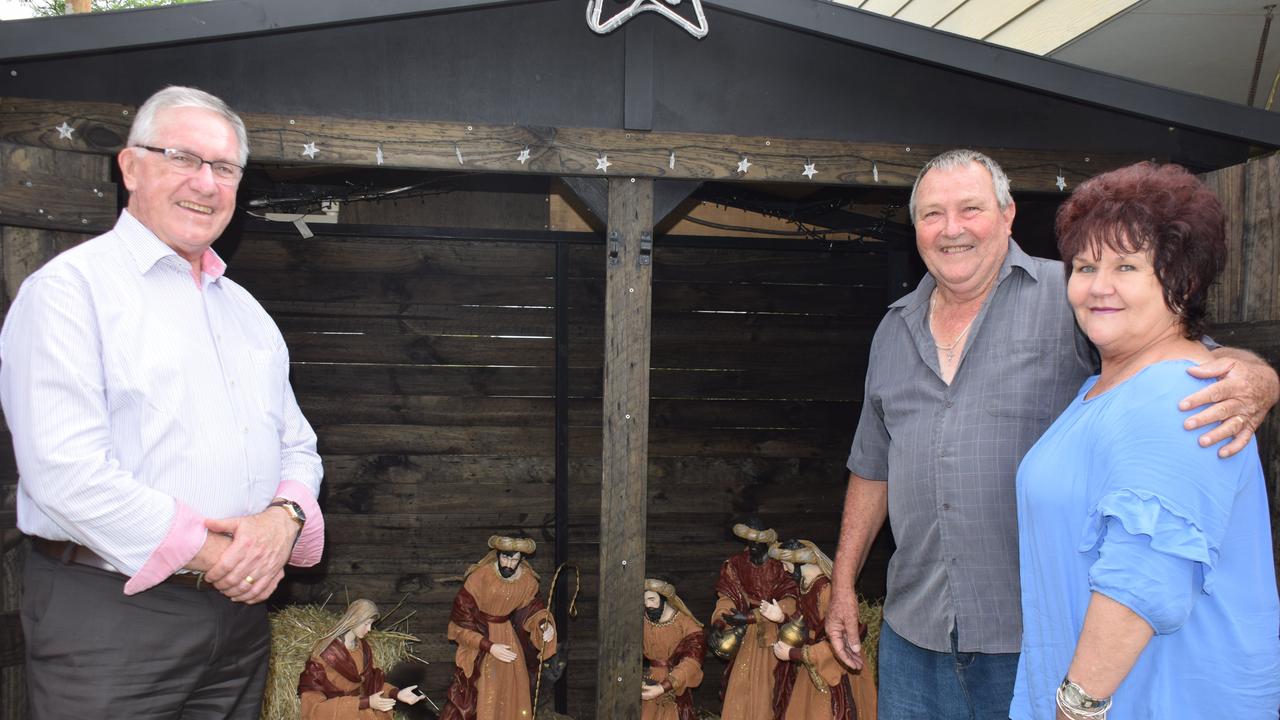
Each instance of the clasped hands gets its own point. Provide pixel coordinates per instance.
(244, 557)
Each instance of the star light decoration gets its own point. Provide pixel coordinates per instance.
(744, 165)
(380, 157)
(310, 150)
(64, 131)
(523, 157)
(602, 163)
(1061, 182)
(810, 169)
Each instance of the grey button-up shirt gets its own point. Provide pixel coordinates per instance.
(950, 453)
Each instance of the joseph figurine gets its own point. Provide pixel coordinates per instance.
(748, 580)
(503, 631)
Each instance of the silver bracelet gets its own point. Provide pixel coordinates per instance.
(1077, 704)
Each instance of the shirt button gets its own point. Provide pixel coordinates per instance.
(946, 506)
(232, 382)
(947, 403)
(246, 429)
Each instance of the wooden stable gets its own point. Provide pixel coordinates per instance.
(536, 344)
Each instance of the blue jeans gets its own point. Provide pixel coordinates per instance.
(919, 684)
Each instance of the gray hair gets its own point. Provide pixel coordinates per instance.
(952, 159)
(176, 96)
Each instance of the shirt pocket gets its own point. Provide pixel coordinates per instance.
(268, 371)
(1022, 384)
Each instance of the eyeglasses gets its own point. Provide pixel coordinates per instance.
(224, 173)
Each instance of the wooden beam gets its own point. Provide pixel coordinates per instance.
(593, 193)
(44, 189)
(668, 194)
(629, 272)
(102, 128)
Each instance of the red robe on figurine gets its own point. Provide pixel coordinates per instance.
(747, 687)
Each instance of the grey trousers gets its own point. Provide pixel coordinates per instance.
(167, 653)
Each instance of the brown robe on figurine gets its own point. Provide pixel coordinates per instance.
(747, 686)
(815, 685)
(495, 610)
(336, 683)
(673, 650)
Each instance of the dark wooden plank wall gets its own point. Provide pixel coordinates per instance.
(1245, 305)
(426, 367)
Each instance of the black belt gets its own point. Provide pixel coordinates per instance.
(69, 552)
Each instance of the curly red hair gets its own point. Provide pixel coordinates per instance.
(1161, 208)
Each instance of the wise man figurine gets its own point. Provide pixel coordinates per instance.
(503, 632)
(810, 683)
(747, 581)
(340, 680)
(674, 646)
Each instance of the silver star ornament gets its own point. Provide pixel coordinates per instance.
(64, 131)
(310, 150)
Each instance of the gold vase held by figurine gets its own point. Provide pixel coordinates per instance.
(794, 632)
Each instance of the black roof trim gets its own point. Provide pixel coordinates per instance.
(98, 32)
(1015, 67)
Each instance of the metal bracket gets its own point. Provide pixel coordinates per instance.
(646, 248)
(615, 247)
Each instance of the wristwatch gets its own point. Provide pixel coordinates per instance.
(1077, 700)
(294, 510)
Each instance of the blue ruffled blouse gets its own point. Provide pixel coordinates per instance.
(1117, 498)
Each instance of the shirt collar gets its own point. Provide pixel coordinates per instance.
(146, 249)
(1016, 257)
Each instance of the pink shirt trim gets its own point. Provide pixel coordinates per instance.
(186, 536)
(310, 545)
(211, 265)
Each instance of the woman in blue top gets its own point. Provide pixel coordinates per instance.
(1148, 585)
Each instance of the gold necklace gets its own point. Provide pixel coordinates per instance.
(950, 350)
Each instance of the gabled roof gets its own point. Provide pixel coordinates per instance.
(28, 41)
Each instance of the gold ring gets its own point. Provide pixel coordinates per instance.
(248, 579)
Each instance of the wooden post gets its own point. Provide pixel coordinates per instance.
(628, 301)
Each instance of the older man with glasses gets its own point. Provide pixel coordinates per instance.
(166, 474)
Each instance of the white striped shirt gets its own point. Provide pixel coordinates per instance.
(141, 403)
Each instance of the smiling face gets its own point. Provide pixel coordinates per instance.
(1118, 300)
(187, 212)
(962, 234)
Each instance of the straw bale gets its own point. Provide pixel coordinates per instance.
(293, 630)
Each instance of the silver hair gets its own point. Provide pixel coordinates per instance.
(176, 96)
(952, 159)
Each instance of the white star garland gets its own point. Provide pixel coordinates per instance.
(523, 157)
(380, 157)
(602, 163)
(810, 169)
(1061, 182)
(744, 165)
(310, 150)
(64, 131)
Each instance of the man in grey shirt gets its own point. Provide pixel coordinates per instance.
(965, 374)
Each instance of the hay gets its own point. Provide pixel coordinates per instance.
(873, 616)
(293, 630)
